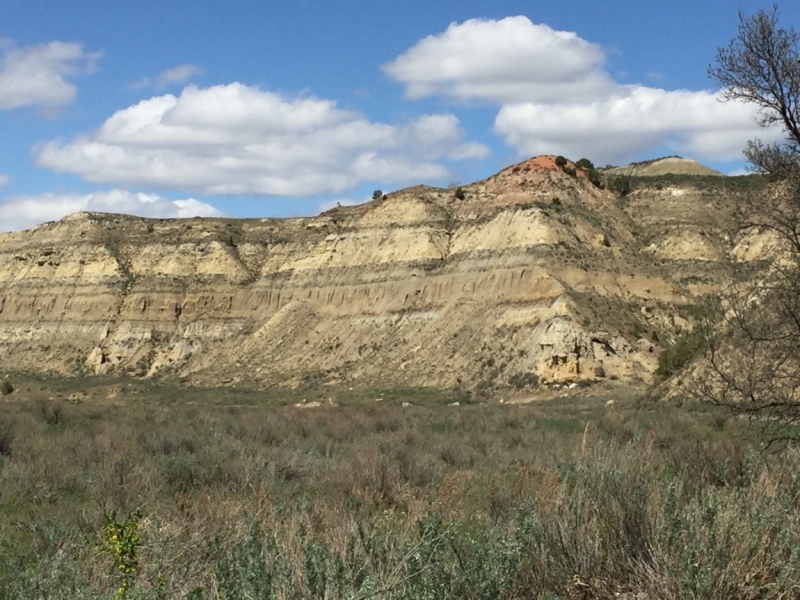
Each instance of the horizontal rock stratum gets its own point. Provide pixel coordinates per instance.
(535, 273)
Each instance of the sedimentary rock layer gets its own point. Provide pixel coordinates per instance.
(534, 274)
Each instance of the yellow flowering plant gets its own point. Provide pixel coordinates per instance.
(121, 541)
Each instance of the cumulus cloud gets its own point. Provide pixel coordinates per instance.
(23, 212)
(37, 75)
(511, 60)
(174, 76)
(635, 120)
(235, 139)
(555, 95)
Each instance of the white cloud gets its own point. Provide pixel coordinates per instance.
(555, 95)
(37, 75)
(23, 212)
(740, 171)
(174, 76)
(235, 139)
(635, 120)
(4, 179)
(179, 74)
(511, 60)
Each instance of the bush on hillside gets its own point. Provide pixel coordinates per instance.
(678, 355)
(561, 161)
(524, 380)
(621, 185)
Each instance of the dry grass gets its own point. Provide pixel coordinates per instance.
(375, 500)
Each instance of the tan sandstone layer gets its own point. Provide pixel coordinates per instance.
(535, 272)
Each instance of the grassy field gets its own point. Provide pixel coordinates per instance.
(138, 490)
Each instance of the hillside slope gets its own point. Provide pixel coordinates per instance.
(534, 275)
(669, 165)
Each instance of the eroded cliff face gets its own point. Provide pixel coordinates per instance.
(417, 288)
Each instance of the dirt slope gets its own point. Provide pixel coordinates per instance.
(670, 165)
(536, 274)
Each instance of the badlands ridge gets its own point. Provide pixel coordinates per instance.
(535, 276)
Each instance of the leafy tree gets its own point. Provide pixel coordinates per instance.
(585, 163)
(752, 353)
(561, 161)
(377, 195)
(621, 184)
(460, 193)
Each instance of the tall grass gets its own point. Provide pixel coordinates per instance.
(379, 501)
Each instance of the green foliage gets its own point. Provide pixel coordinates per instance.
(561, 161)
(377, 195)
(524, 380)
(621, 185)
(606, 241)
(121, 541)
(379, 501)
(675, 357)
(585, 163)
(6, 387)
(638, 329)
(556, 201)
(459, 193)
(654, 337)
(570, 171)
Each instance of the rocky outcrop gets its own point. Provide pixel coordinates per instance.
(536, 275)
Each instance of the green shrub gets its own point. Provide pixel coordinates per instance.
(524, 380)
(427, 501)
(621, 185)
(121, 541)
(570, 171)
(561, 161)
(557, 201)
(678, 355)
(460, 193)
(585, 163)
(377, 195)
(6, 388)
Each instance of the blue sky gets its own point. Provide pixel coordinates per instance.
(250, 108)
